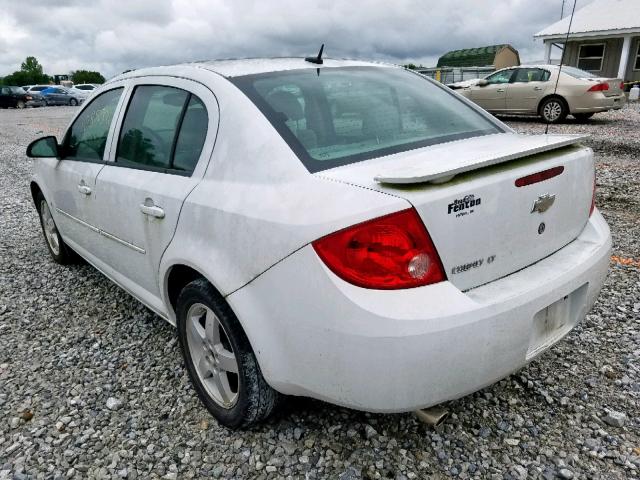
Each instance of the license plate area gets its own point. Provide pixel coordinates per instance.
(553, 322)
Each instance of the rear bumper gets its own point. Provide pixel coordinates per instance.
(597, 102)
(394, 351)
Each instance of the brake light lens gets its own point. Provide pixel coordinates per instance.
(593, 197)
(386, 253)
(621, 85)
(599, 87)
(539, 176)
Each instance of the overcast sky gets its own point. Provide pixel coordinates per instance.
(112, 36)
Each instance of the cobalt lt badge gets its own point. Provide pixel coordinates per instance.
(543, 203)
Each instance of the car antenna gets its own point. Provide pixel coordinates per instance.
(564, 49)
(317, 60)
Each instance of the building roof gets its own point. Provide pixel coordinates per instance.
(471, 57)
(600, 17)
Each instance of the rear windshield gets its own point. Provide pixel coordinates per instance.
(39, 89)
(337, 116)
(577, 73)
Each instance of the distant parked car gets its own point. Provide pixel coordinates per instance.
(79, 92)
(36, 88)
(529, 90)
(13, 97)
(88, 87)
(61, 96)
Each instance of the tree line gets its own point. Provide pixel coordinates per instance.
(32, 73)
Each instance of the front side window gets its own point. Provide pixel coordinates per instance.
(503, 76)
(338, 116)
(163, 129)
(590, 57)
(87, 136)
(5, 91)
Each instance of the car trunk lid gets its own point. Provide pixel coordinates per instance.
(614, 89)
(483, 225)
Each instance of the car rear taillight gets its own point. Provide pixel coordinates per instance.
(28, 97)
(593, 197)
(621, 85)
(390, 252)
(539, 176)
(599, 87)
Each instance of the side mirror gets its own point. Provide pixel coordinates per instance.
(45, 147)
(483, 82)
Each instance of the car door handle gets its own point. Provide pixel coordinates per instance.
(500, 90)
(537, 88)
(83, 189)
(152, 210)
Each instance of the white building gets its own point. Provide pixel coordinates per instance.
(604, 38)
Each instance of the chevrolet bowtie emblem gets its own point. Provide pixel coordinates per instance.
(543, 203)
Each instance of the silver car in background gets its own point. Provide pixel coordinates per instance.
(530, 90)
(57, 95)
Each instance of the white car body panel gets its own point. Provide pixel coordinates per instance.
(246, 217)
(397, 351)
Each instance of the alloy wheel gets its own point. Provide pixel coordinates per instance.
(50, 230)
(552, 111)
(213, 357)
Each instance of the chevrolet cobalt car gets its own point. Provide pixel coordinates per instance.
(343, 230)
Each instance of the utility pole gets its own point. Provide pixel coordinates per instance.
(562, 10)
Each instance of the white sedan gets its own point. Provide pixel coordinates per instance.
(344, 230)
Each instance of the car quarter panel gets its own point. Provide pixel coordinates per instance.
(394, 351)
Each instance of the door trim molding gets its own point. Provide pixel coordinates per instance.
(102, 232)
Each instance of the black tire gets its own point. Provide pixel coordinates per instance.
(553, 110)
(73, 102)
(61, 254)
(255, 399)
(582, 117)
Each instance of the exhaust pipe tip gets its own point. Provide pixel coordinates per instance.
(434, 416)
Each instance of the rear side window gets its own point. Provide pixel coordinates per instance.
(191, 137)
(577, 73)
(337, 116)
(87, 136)
(163, 130)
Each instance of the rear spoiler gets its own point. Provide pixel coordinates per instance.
(441, 163)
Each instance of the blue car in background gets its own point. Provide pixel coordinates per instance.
(57, 95)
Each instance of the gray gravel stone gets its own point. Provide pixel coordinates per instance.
(70, 340)
(615, 419)
(565, 473)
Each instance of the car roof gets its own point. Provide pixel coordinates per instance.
(248, 66)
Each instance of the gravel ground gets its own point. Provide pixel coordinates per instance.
(92, 384)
